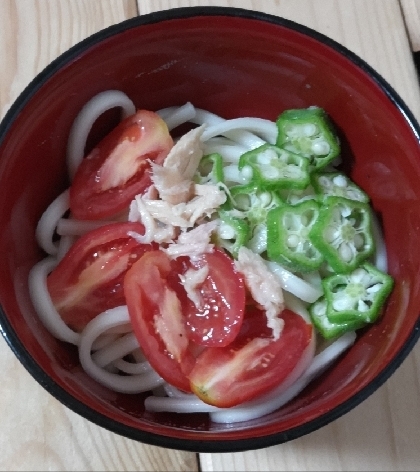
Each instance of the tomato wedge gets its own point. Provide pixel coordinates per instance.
(89, 278)
(117, 169)
(162, 315)
(217, 317)
(156, 316)
(253, 364)
(170, 330)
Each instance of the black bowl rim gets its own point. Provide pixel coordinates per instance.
(207, 444)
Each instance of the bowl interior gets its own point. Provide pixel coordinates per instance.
(233, 66)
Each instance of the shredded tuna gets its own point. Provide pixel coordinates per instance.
(186, 153)
(193, 243)
(155, 230)
(192, 281)
(263, 286)
(207, 198)
(174, 201)
(171, 185)
(173, 179)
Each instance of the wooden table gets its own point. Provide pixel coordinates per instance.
(37, 432)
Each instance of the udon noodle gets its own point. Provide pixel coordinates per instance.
(108, 349)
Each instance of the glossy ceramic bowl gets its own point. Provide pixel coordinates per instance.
(234, 63)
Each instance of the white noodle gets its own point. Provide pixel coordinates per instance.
(125, 384)
(230, 154)
(84, 121)
(296, 305)
(109, 337)
(132, 367)
(233, 175)
(175, 116)
(240, 136)
(204, 117)
(116, 350)
(264, 128)
(278, 397)
(43, 304)
(172, 391)
(47, 223)
(178, 404)
(183, 403)
(104, 340)
(110, 333)
(294, 284)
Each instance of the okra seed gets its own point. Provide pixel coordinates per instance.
(264, 158)
(226, 231)
(243, 202)
(310, 129)
(362, 306)
(247, 173)
(330, 233)
(358, 241)
(319, 309)
(293, 131)
(340, 181)
(271, 173)
(292, 240)
(304, 220)
(374, 288)
(345, 211)
(320, 148)
(358, 275)
(345, 252)
(324, 181)
(342, 303)
(265, 198)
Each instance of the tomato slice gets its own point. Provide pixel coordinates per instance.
(167, 323)
(89, 278)
(157, 320)
(170, 330)
(118, 168)
(253, 364)
(217, 318)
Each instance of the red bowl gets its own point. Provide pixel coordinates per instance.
(235, 63)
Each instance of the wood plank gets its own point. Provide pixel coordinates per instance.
(381, 433)
(37, 432)
(411, 12)
(373, 29)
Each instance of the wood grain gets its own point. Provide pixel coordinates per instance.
(383, 432)
(411, 12)
(37, 432)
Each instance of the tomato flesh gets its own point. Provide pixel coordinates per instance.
(118, 168)
(253, 364)
(217, 319)
(164, 318)
(156, 316)
(89, 278)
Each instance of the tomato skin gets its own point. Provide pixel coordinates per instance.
(161, 312)
(117, 169)
(154, 306)
(89, 278)
(253, 364)
(250, 365)
(218, 320)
